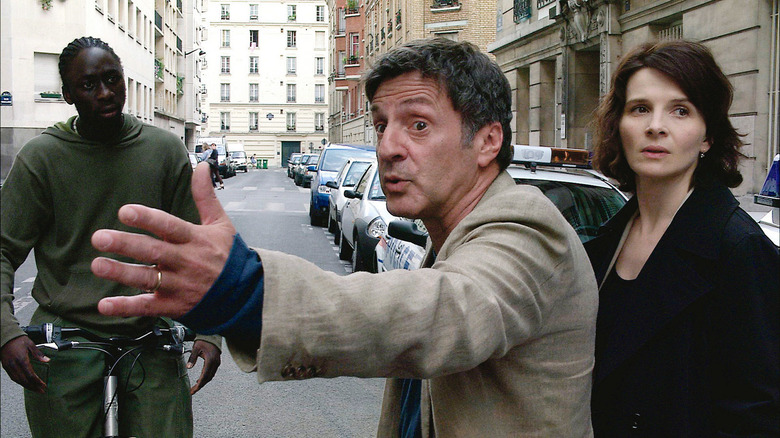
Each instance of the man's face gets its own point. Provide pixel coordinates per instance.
(425, 169)
(95, 85)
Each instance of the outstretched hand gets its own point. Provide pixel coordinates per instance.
(189, 257)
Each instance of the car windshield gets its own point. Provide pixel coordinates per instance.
(297, 159)
(335, 158)
(238, 154)
(584, 207)
(376, 193)
(355, 172)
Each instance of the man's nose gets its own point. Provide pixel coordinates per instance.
(391, 145)
(104, 91)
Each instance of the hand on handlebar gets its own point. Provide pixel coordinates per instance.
(211, 360)
(15, 356)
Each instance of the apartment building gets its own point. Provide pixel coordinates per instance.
(559, 57)
(265, 75)
(145, 34)
(386, 24)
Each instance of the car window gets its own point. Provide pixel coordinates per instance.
(363, 182)
(584, 207)
(238, 154)
(333, 159)
(355, 171)
(376, 192)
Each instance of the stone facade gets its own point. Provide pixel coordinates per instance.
(559, 57)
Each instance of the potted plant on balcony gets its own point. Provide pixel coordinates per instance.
(351, 6)
(353, 59)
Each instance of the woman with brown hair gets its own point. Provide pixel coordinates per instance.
(687, 333)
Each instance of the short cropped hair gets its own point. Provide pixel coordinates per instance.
(475, 84)
(72, 50)
(692, 67)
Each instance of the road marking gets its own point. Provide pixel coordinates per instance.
(278, 189)
(250, 188)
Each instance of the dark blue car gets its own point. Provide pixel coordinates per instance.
(332, 159)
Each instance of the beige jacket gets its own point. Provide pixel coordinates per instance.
(501, 327)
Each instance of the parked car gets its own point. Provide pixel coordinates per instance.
(226, 167)
(770, 196)
(239, 160)
(294, 159)
(585, 198)
(194, 159)
(299, 173)
(347, 177)
(363, 221)
(332, 159)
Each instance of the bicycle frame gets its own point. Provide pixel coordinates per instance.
(171, 339)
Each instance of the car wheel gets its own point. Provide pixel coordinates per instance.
(314, 218)
(297, 180)
(333, 227)
(345, 252)
(358, 264)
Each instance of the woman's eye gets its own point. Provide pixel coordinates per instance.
(641, 109)
(681, 111)
(420, 125)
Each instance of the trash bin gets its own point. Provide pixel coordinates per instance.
(265, 164)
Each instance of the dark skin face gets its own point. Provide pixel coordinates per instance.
(94, 83)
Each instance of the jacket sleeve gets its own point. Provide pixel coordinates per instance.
(24, 215)
(746, 344)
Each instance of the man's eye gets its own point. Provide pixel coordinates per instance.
(112, 79)
(380, 128)
(420, 125)
(88, 85)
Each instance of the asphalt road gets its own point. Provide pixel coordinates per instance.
(268, 211)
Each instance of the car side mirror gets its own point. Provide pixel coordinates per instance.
(351, 194)
(332, 184)
(407, 231)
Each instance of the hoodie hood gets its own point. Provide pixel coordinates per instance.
(131, 129)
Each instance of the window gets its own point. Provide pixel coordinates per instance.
(291, 65)
(224, 121)
(291, 121)
(253, 121)
(319, 93)
(254, 63)
(225, 12)
(254, 92)
(290, 92)
(319, 40)
(319, 121)
(46, 75)
(224, 92)
(342, 22)
(291, 12)
(291, 38)
(225, 65)
(225, 38)
(253, 38)
(354, 47)
(453, 36)
(342, 61)
(522, 10)
(253, 12)
(320, 13)
(319, 64)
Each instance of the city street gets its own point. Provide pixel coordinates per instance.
(269, 211)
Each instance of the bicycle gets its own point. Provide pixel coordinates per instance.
(115, 348)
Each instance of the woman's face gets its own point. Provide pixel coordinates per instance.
(661, 131)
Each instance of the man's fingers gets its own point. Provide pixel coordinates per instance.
(209, 208)
(167, 226)
(138, 305)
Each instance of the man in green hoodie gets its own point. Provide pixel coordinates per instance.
(64, 185)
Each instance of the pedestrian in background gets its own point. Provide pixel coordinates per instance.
(687, 336)
(65, 184)
(254, 161)
(213, 160)
(494, 337)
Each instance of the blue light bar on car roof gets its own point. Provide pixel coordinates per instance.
(533, 155)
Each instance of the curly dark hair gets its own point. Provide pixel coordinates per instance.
(72, 50)
(692, 67)
(477, 87)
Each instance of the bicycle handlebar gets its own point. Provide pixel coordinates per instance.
(52, 336)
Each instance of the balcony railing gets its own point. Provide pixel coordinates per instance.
(291, 127)
(319, 128)
(438, 4)
(522, 10)
(158, 69)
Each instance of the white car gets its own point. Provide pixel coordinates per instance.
(585, 197)
(346, 179)
(364, 219)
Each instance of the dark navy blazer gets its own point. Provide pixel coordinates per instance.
(693, 350)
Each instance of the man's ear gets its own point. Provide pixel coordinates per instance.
(488, 142)
(66, 95)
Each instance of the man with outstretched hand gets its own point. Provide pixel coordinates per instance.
(494, 336)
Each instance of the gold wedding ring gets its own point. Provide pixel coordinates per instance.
(159, 280)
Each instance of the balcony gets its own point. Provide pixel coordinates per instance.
(291, 17)
(158, 70)
(319, 128)
(179, 85)
(290, 128)
(445, 4)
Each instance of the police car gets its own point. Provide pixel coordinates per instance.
(585, 198)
